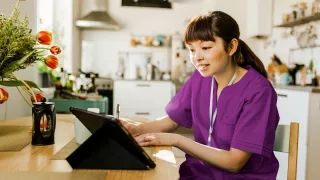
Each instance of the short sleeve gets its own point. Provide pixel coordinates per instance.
(256, 126)
(179, 108)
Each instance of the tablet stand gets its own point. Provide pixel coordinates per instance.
(100, 151)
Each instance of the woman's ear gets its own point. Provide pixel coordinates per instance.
(233, 46)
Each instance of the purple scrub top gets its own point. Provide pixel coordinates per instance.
(247, 119)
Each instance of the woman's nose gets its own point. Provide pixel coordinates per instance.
(198, 56)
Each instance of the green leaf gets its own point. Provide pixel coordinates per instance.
(15, 83)
(22, 60)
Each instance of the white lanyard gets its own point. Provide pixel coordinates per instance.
(213, 118)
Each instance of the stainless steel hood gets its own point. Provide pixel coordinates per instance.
(98, 19)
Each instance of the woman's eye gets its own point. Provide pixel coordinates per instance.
(191, 50)
(206, 48)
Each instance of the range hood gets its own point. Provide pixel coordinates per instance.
(98, 19)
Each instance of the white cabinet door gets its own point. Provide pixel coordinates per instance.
(313, 145)
(293, 107)
(146, 113)
(282, 105)
(142, 98)
(298, 112)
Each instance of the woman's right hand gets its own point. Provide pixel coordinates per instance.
(134, 130)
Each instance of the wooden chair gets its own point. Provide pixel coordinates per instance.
(286, 140)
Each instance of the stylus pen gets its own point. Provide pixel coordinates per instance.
(118, 111)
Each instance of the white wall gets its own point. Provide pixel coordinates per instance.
(62, 21)
(57, 17)
(16, 106)
(238, 12)
(76, 37)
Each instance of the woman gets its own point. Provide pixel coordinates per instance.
(228, 102)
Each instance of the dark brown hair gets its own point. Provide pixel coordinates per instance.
(220, 24)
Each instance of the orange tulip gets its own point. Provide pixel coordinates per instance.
(55, 50)
(44, 124)
(51, 61)
(38, 97)
(3, 95)
(44, 37)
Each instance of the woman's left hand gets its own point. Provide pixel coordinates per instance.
(157, 139)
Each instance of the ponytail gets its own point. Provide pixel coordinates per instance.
(244, 56)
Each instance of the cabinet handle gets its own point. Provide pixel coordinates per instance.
(143, 85)
(283, 95)
(142, 113)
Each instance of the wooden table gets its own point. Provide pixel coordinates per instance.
(38, 158)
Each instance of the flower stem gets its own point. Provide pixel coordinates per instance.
(29, 88)
(40, 52)
(42, 48)
(26, 90)
(24, 97)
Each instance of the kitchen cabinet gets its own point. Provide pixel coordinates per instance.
(142, 98)
(302, 107)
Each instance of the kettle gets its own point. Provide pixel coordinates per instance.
(44, 122)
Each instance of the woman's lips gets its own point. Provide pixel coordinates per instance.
(203, 67)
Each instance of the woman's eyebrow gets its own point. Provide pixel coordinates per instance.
(201, 42)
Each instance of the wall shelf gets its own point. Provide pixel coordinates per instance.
(302, 48)
(301, 21)
(145, 49)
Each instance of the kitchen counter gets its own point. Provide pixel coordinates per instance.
(309, 89)
(38, 158)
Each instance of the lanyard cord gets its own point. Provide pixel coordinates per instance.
(213, 118)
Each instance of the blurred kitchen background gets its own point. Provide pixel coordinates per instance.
(112, 48)
(131, 52)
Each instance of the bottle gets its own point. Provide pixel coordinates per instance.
(92, 85)
(315, 79)
(63, 78)
(121, 68)
(303, 80)
(177, 68)
(152, 71)
(309, 73)
(183, 72)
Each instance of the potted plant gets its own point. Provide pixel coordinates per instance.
(20, 48)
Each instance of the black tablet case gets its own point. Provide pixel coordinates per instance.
(109, 147)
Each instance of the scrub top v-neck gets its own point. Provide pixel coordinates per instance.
(247, 119)
(213, 113)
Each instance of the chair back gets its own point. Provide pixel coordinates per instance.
(286, 140)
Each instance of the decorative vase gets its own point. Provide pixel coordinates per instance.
(44, 123)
